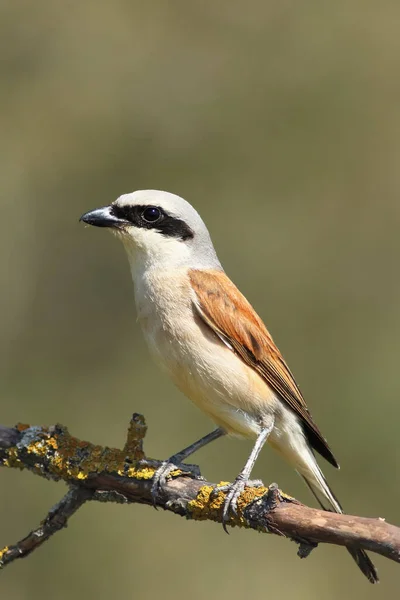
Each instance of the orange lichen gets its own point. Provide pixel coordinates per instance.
(22, 426)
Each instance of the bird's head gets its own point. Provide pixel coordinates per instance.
(157, 229)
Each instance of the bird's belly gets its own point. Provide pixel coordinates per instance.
(214, 378)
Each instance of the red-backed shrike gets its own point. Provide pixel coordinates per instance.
(211, 342)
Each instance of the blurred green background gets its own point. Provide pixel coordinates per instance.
(280, 122)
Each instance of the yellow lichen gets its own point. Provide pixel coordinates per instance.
(134, 441)
(133, 472)
(3, 552)
(56, 453)
(287, 497)
(38, 448)
(67, 458)
(209, 503)
(176, 473)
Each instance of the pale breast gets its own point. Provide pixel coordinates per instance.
(201, 366)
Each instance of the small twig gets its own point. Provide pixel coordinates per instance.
(56, 519)
(112, 475)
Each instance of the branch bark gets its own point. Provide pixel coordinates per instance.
(112, 475)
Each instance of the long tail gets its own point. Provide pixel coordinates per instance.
(317, 483)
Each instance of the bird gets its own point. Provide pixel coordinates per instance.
(208, 338)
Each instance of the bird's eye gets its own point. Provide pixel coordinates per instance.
(151, 214)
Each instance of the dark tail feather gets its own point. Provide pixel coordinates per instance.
(365, 564)
(328, 501)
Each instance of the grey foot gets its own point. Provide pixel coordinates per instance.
(160, 478)
(233, 491)
(163, 472)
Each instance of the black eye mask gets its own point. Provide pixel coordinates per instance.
(153, 217)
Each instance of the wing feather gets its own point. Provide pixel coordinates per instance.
(227, 312)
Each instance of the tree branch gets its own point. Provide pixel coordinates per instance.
(56, 519)
(112, 475)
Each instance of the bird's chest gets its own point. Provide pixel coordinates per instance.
(164, 311)
(202, 367)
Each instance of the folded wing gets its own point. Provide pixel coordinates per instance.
(226, 311)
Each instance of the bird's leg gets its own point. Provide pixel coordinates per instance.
(233, 490)
(167, 466)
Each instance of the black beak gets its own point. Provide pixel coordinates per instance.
(101, 217)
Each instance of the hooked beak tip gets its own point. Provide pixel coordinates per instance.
(100, 217)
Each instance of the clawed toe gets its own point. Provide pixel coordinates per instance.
(230, 504)
(163, 472)
(233, 491)
(160, 478)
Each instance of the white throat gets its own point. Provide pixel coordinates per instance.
(165, 254)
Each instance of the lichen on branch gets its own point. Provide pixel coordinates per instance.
(100, 473)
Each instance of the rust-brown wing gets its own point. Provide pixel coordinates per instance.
(226, 311)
